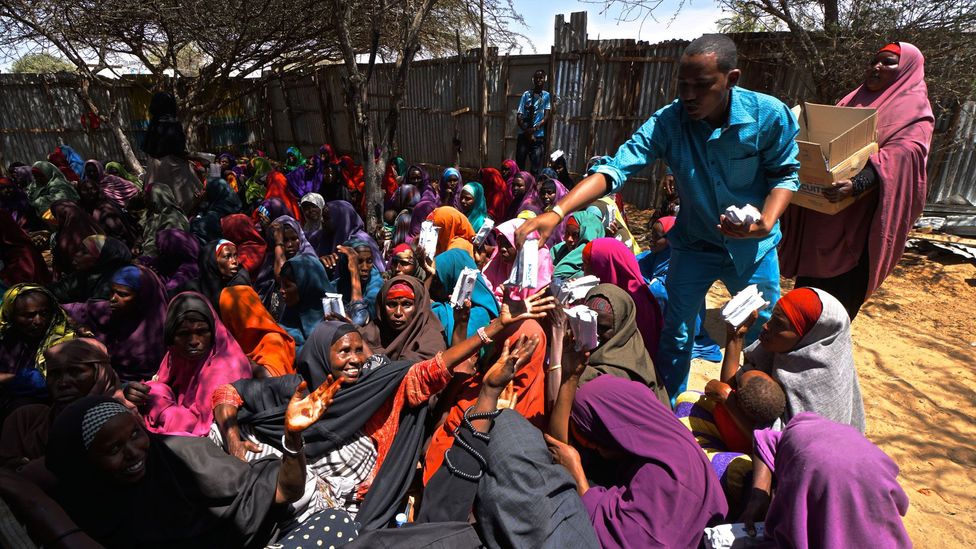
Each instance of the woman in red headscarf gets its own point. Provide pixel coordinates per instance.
(497, 194)
(849, 254)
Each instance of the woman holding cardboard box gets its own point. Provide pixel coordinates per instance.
(850, 253)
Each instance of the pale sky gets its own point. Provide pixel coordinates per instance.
(693, 20)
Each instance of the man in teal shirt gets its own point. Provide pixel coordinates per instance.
(726, 146)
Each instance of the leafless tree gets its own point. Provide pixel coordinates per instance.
(831, 40)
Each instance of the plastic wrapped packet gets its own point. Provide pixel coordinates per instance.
(746, 215)
(573, 290)
(733, 536)
(464, 287)
(427, 239)
(483, 232)
(525, 272)
(582, 321)
(332, 304)
(738, 309)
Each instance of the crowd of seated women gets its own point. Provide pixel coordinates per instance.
(168, 377)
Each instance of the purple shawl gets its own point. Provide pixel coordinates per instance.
(176, 258)
(834, 488)
(117, 189)
(531, 200)
(303, 179)
(346, 225)
(665, 490)
(304, 248)
(135, 343)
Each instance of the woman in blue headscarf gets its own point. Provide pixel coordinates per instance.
(448, 266)
(293, 159)
(303, 285)
(472, 202)
(450, 187)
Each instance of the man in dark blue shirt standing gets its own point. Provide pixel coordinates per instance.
(533, 119)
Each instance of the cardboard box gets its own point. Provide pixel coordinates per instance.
(835, 144)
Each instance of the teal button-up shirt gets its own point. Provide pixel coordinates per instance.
(714, 168)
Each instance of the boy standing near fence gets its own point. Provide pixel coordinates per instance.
(726, 146)
(533, 122)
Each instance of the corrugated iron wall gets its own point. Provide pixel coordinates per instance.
(602, 92)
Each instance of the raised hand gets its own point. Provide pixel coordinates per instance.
(543, 224)
(305, 409)
(513, 358)
(563, 453)
(536, 306)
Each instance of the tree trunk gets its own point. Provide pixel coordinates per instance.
(109, 121)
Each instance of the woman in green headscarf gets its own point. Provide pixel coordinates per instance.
(255, 189)
(118, 170)
(293, 159)
(472, 202)
(48, 186)
(567, 256)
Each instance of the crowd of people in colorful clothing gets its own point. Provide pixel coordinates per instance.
(169, 377)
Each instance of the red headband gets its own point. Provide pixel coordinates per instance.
(803, 308)
(400, 290)
(893, 47)
(221, 245)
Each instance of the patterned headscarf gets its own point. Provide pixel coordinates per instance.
(57, 331)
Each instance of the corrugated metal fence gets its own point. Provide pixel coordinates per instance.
(602, 91)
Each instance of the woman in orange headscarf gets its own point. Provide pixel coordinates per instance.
(455, 230)
(264, 342)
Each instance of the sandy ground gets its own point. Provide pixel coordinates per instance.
(915, 350)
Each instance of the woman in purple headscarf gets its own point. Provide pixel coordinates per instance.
(176, 259)
(118, 190)
(525, 195)
(451, 187)
(551, 191)
(834, 488)
(341, 223)
(129, 322)
(429, 200)
(306, 178)
(664, 492)
(14, 199)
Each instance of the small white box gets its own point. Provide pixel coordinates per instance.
(332, 304)
(734, 536)
(582, 320)
(464, 287)
(573, 290)
(483, 232)
(427, 239)
(738, 309)
(525, 272)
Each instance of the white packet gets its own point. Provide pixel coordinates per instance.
(464, 287)
(573, 290)
(427, 239)
(746, 215)
(525, 272)
(734, 536)
(483, 232)
(582, 320)
(738, 309)
(332, 303)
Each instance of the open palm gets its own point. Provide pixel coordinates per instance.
(305, 409)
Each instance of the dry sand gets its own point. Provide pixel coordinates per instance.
(915, 350)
